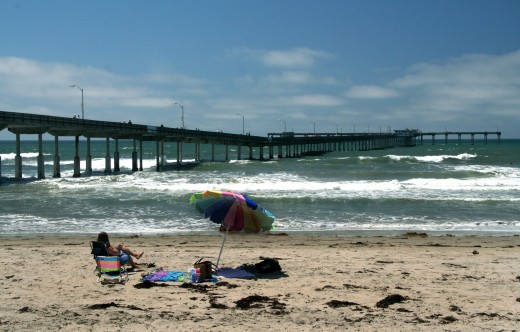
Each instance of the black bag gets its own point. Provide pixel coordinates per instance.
(268, 265)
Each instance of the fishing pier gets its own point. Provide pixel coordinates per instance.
(459, 135)
(285, 144)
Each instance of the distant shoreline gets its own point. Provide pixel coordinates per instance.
(325, 234)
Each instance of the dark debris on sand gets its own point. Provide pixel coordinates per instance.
(325, 287)
(226, 284)
(213, 303)
(196, 287)
(102, 306)
(200, 288)
(415, 234)
(339, 304)
(448, 320)
(149, 284)
(255, 301)
(389, 300)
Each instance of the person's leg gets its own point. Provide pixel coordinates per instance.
(132, 263)
(127, 259)
(122, 246)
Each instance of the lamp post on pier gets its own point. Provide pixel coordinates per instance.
(82, 105)
(243, 122)
(182, 114)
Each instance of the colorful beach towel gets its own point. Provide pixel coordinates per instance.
(163, 275)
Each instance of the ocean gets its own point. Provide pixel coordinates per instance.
(439, 189)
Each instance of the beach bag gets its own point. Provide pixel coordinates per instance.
(268, 265)
(205, 269)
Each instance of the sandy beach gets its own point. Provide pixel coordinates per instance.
(405, 283)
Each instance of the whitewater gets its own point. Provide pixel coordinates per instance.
(445, 189)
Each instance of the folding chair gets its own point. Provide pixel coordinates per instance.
(110, 270)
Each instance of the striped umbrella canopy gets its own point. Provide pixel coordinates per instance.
(234, 211)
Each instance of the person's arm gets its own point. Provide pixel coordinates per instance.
(112, 251)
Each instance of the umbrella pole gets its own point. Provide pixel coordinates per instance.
(222, 246)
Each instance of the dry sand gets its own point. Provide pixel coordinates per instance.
(329, 283)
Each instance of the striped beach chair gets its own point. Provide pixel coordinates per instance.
(110, 270)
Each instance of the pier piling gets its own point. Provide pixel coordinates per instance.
(41, 162)
(18, 159)
(77, 170)
(56, 165)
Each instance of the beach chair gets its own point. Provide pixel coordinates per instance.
(98, 248)
(110, 270)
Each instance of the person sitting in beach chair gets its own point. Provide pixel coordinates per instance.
(120, 250)
(110, 270)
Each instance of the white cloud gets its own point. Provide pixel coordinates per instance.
(297, 116)
(311, 100)
(295, 77)
(297, 57)
(293, 58)
(228, 105)
(147, 102)
(469, 69)
(371, 92)
(25, 78)
(489, 83)
(173, 79)
(470, 92)
(299, 77)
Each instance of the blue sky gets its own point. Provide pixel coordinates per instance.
(330, 65)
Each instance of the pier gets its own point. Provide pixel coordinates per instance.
(285, 144)
(459, 135)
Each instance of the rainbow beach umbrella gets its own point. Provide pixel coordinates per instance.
(233, 211)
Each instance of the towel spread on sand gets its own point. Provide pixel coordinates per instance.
(225, 272)
(163, 275)
(229, 272)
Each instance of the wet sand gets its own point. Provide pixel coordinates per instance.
(405, 283)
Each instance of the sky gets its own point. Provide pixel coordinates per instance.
(266, 66)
